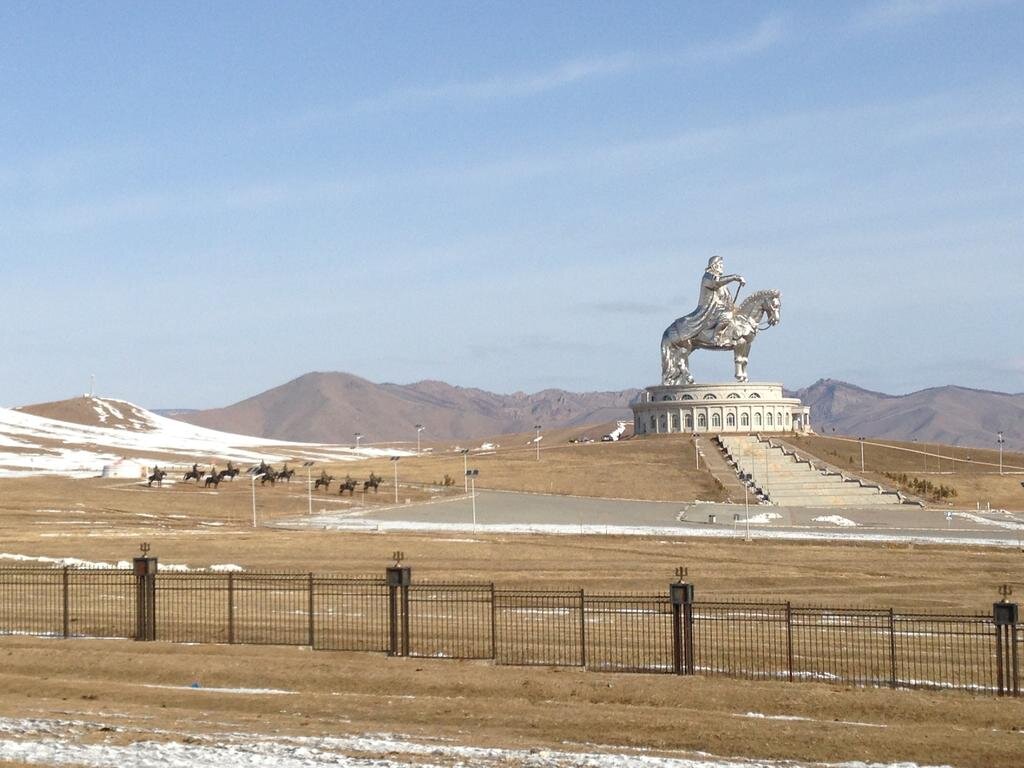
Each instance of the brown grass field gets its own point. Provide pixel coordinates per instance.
(476, 702)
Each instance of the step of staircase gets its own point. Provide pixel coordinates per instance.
(789, 479)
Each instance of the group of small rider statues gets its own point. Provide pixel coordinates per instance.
(266, 473)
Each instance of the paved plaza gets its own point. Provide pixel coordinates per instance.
(509, 512)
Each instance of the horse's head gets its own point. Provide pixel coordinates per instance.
(773, 308)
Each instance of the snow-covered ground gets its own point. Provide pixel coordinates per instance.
(84, 743)
(34, 445)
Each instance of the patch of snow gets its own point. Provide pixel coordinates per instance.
(842, 522)
(764, 518)
(79, 742)
(244, 691)
(987, 521)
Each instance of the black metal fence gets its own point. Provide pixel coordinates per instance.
(653, 633)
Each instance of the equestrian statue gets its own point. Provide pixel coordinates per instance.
(717, 323)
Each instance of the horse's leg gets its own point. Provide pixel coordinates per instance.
(683, 365)
(669, 372)
(740, 355)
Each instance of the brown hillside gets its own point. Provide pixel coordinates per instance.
(331, 407)
(949, 415)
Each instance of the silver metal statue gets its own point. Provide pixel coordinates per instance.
(717, 323)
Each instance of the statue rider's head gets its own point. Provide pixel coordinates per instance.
(715, 265)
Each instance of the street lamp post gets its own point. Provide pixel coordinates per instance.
(696, 452)
(358, 436)
(394, 461)
(465, 467)
(536, 439)
(419, 428)
(861, 439)
(254, 479)
(1000, 441)
(471, 475)
(309, 483)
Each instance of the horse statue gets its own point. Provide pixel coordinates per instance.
(285, 474)
(193, 474)
(735, 332)
(374, 482)
(269, 475)
(215, 478)
(230, 473)
(157, 477)
(324, 480)
(348, 484)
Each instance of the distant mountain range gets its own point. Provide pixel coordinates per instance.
(949, 415)
(331, 407)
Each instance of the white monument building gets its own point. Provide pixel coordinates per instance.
(718, 322)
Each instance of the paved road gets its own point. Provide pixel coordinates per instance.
(505, 512)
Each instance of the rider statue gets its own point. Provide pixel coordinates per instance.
(715, 307)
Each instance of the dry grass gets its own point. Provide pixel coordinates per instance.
(658, 469)
(972, 472)
(478, 703)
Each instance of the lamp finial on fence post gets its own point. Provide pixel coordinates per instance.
(144, 547)
(398, 556)
(1006, 590)
(681, 573)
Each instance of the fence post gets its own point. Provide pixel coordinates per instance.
(145, 597)
(65, 603)
(892, 648)
(789, 640)
(231, 608)
(681, 595)
(398, 579)
(1004, 617)
(494, 626)
(312, 636)
(583, 629)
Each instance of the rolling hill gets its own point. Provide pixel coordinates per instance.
(330, 407)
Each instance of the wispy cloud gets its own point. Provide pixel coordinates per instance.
(768, 33)
(889, 14)
(624, 307)
(507, 86)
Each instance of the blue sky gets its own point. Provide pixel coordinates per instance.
(200, 201)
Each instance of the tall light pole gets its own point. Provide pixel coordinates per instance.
(471, 475)
(419, 428)
(254, 479)
(465, 466)
(309, 483)
(394, 461)
(358, 436)
(696, 451)
(1000, 441)
(536, 428)
(861, 439)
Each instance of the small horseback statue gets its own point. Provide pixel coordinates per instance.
(324, 480)
(230, 473)
(374, 482)
(193, 474)
(157, 477)
(285, 474)
(717, 323)
(348, 484)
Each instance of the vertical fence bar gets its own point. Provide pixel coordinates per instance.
(892, 648)
(65, 603)
(583, 629)
(231, 608)
(789, 641)
(311, 634)
(494, 626)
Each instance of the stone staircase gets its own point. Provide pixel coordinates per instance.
(781, 476)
